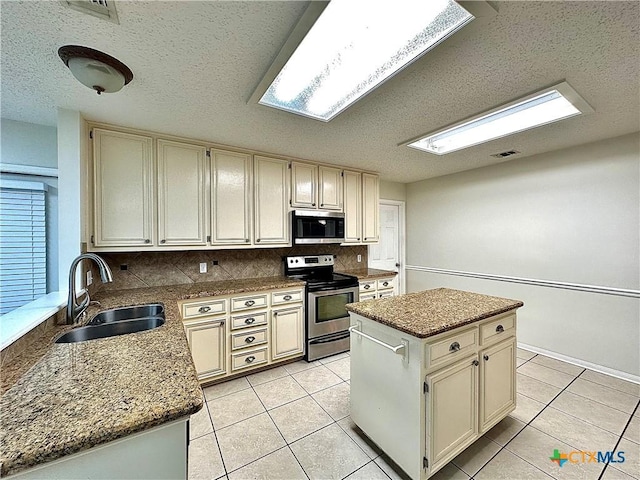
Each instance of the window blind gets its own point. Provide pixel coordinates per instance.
(23, 243)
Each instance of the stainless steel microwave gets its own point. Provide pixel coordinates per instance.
(316, 227)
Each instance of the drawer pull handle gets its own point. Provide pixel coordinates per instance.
(249, 303)
(250, 359)
(486, 357)
(454, 347)
(249, 320)
(475, 363)
(385, 284)
(367, 287)
(287, 297)
(499, 329)
(249, 339)
(204, 309)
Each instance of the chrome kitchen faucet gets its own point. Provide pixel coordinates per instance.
(74, 310)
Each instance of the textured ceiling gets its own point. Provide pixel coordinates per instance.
(196, 64)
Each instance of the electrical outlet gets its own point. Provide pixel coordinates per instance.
(359, 258)
(89, 277)
(214, 262)
(203, 267)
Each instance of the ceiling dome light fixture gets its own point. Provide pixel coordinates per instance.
(95, 69)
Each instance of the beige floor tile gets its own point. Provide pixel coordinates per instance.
(318, 378)
(225, 388)
(299, 418)
(205, 461)
(476, 455)
(341, 367)
(612, 473)
(596, 413)
(200, 423)
(505, 430)
(532, 388)
(559, 365)
(520, 361)
(388, 466)
(267, 376)
(234, 408)
(508, 466)
(371, 471)
(328, 453)
(545, 374)
(612, 382)
(599, 393)
(631, 464)
(578, 434)
(537, 448)
(632, 431)
(278, 392)
(249, 440)
(334, 400)
(450, 472)
(358, 436)
(333, 358)
(280, 464)
(524, 354)
(526, 408)
(296, 367)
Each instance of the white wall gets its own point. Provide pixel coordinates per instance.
(566, 216)
(28, 144)
(393, 190)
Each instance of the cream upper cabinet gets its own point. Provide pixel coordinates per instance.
(370, 208)
(287, 332)
(182, 203)
(304, 185)
(123, 174)
(330, 188)
(230, 198)
(352, 207)
(271, 197)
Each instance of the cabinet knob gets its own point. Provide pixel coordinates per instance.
(146, 240)
(322, 204)
(454, 347)
(249, 339)
(499, 329)
(287, 297)
(246, 240)
(367, 287)
(249, 320)
(486, 357)
(384, 284)
(313, 204)
(475, 363)
(249, 303)
(257, 240)
(358, 238)
(204, 309)
(250, 359)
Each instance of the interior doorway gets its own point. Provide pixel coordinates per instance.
(389, 253)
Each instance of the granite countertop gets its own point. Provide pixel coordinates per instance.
(369, 273)
(428, 313)
(79, 395)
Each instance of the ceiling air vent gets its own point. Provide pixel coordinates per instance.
(105, 9)
(508, 153)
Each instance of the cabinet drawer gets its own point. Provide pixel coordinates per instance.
(200, 309)
(385, 293)
(452, 347)
(279, 298)
(248, 359)
(385, 283)
(368, 286)
(250, 320)
(244, 303)
(245, 339)
(498, 329)
(367, 296)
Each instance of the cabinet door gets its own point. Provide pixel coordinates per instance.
(497, 382)
(287, 332)
(452, 403)
(352, 207)
(207, 341)
(123, 189)
(370, 208)
(304, 179)
(271, 180)
(330, 188)
(181, 194)
(230, 198)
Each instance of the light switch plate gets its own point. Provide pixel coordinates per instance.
(203, 267)
(89, 277)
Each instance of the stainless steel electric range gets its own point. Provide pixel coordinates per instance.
(327, 320)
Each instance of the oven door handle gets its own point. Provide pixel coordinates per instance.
(330, 291)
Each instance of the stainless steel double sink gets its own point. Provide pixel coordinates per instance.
(117, 321)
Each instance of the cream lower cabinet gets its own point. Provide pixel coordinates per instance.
(438, 399)
(377, 288)
(232, 334)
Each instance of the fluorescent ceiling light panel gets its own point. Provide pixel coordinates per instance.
(547, 106)
(355, 46)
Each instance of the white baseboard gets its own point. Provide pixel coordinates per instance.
(582, 363)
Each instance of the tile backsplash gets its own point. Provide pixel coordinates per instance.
(151, 269)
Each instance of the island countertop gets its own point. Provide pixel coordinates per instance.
(79, 395)
(428, 313)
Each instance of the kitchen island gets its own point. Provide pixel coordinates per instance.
(431, 372)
